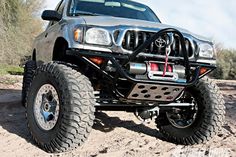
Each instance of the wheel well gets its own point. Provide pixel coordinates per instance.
(59, 54)
(59, 51)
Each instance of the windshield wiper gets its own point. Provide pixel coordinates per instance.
(86, 13)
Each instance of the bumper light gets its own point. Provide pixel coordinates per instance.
(203, 71)
(97, 60)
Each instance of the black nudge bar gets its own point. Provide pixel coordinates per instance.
(191, 77)
(155, 37)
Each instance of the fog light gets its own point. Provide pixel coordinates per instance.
(97, 60)
(203, 71)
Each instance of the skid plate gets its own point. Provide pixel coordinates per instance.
(155, 92)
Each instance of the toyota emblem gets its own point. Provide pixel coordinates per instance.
(160, 43)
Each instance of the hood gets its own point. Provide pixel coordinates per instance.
(109, 21)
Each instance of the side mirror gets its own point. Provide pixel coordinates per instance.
(51, 15)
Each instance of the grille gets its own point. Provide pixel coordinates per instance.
(133, 39)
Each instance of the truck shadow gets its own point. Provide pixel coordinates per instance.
(106, 123)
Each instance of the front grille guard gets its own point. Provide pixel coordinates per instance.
(191, 77)
(155, 37)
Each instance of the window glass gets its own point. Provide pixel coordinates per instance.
(117, 8)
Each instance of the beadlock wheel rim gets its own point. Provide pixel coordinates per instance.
(46, 107)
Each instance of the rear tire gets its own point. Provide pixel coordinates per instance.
(29, 70)
(209, 119)
(76, 108)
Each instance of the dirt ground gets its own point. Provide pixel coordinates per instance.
(114, 134)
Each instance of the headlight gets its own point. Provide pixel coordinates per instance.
(206, 51)
(98, 36)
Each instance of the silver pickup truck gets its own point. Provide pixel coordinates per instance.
(116, 55)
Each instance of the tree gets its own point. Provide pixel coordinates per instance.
(19, 24)
(226, 64)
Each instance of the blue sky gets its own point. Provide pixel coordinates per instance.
(215, 19)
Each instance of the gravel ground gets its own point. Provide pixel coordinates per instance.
(114, 134)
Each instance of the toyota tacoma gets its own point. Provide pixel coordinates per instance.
(116, 55)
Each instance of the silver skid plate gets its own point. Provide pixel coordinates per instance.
(155, 92)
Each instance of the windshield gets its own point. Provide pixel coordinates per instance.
(117, 8)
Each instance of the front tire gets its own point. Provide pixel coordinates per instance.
(60, 108)
(29, 70)
(208, 119)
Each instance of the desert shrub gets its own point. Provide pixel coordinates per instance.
(10, 69)
(226, 64)
(19, 24)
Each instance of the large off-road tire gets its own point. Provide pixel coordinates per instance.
(60, 107)
(29, 70)
(208, 121)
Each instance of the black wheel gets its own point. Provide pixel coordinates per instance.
(29, 69)
(198, 123)
(60, 108)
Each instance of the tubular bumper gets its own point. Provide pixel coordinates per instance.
(192, 76)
